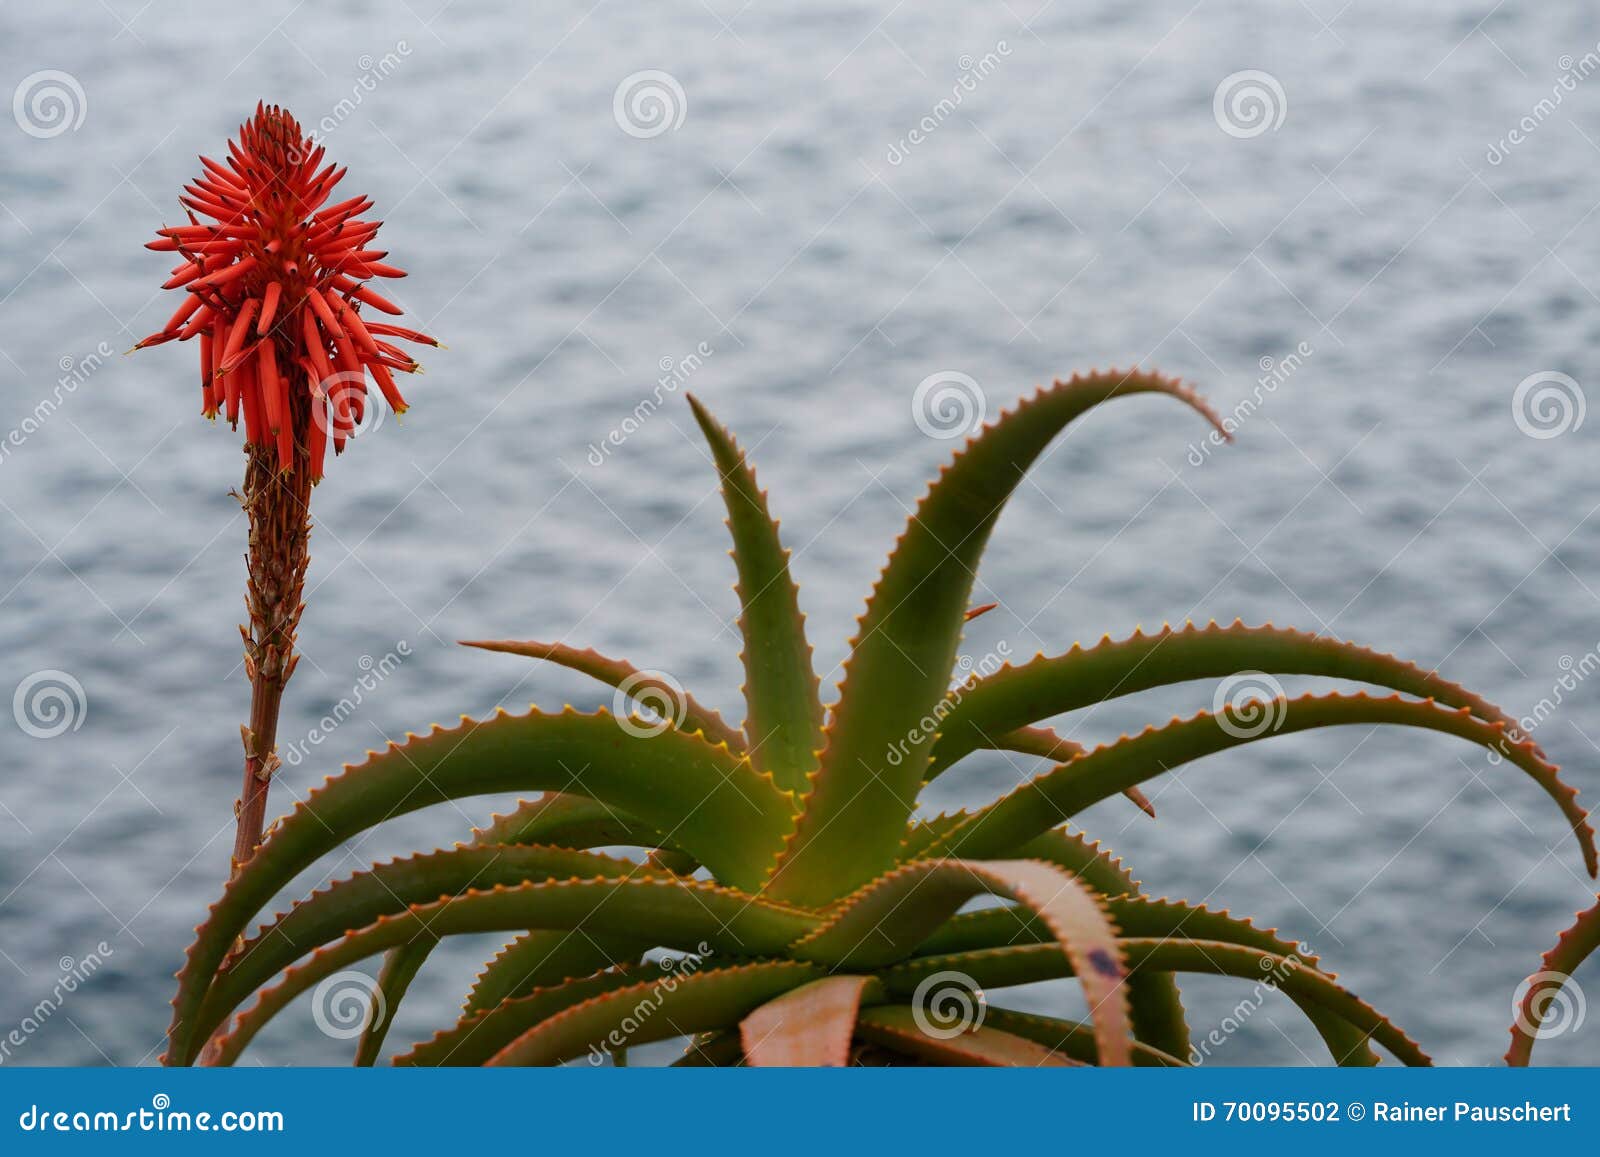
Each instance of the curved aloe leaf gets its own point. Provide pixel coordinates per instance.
(1047, 686)
(1154, 1002)
(881, 729)
(1046, 744)
(617, 673)
(888, 918)
(712, 1050)
(897, 1026)
(542, 959)
(556, 819)
(1068, 789)
(713, 999)
(392, 888)
(400, 968)
(1031, 963)
(783, 722)
(1544, 988)
(807, 1027)
(1070, 1038)
(679, 914)
(702, 797)
(1142, 916)
(476, 1038)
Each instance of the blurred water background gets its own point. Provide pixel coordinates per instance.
(1381, 250)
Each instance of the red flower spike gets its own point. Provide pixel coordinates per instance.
(274, 280)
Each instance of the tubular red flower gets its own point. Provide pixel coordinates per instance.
(274, 283)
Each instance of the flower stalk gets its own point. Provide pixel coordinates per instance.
(274, 285)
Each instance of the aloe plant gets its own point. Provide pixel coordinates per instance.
(789, 853)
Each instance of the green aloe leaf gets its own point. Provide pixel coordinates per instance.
(686, 713)
(1070, 788)
(1046, 744)
(400, 968)
(887, 919)
(901, 660)
(705, 1001)
(677, 914)
(1142, 916)
(712, 1050)
(477, 1037)
(1045, 686)
(544, 958)
(556, 819)
(1543, 991)
(1070, 1038)
(390, 889)
(783, 723)
(706, 800)
(807, 1027)
(1153, 998)
(897, 1026)
(1030, 963)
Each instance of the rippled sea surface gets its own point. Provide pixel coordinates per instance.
(1386, 256)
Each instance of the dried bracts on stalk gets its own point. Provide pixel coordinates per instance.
(274, 276)
(275, 281)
